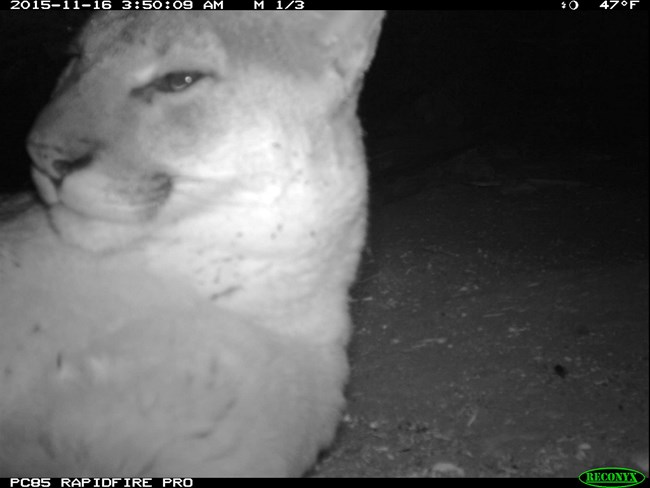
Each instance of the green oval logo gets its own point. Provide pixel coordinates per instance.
(611, 476)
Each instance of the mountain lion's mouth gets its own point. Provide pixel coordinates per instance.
(117, 201)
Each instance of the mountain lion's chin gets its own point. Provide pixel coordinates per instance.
(92, 233)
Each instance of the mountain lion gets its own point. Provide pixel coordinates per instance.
(176, 303)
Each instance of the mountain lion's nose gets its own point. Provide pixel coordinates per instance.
(54, 162)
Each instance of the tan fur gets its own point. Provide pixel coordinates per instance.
(179, 305)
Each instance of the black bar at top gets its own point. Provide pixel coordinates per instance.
(567, 6)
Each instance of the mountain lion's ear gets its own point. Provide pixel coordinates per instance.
(342, 40)
(349, 38)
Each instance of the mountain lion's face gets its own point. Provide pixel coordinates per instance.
(161, 117)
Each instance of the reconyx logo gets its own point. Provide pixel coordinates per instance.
(611, 477)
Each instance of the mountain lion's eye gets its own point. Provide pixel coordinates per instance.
(179, 81)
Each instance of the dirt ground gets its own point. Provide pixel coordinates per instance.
(501, 324)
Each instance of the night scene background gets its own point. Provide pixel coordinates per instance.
(501, 311)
